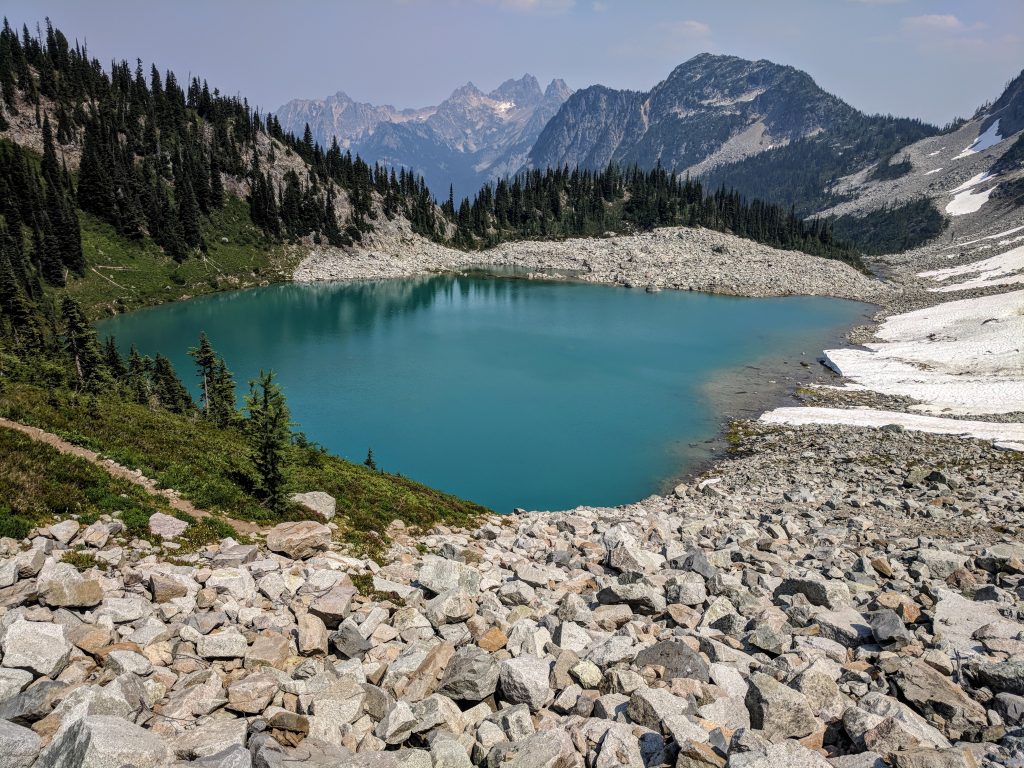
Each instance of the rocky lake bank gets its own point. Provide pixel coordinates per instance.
(826, 595)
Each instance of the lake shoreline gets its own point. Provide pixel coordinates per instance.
(680, 258)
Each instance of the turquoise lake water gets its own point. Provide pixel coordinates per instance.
(511, 393)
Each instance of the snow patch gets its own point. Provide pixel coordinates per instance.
(933, 154)
(929, 173)
(1008, 435)
(969, 201)
(987, 139)
(1003, 269)
(503, 106)
(988, 237)
(962, 357)
(972, 182)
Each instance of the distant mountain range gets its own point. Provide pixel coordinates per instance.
(468, 139)
(765, 129)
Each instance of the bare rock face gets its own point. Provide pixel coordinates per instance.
(321, 504)
(299, 540)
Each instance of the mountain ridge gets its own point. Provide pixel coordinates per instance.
(710, 111)
(469, 138)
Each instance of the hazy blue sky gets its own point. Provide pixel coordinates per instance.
(927, 58)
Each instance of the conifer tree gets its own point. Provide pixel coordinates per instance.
(170, 393)
(216, 182)
(206, 362)
(223, 408)
(113, 360)
(81, 346)
(269, 427)
(137, 381)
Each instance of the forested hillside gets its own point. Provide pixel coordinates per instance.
(135, 165)
(582, 203)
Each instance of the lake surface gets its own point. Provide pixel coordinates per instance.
(508, 392)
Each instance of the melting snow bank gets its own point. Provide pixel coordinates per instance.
(985, 140)
(1009, 436)
(1004, 269)
(962, 357)
(968, 201)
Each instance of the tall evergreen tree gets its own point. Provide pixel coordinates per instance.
(269, 427)
(81, 346)
(170, 393)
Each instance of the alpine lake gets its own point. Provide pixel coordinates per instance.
(513, 393)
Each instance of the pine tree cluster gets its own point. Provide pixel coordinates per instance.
(580, 203)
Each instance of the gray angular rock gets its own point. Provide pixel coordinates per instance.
(234, 756)
(778, 710)
(637, 595)
(98, 741)
(19, 746)
(299, 540)
(525, 680)
(471, 675)
(166, 526)
(229, 644)
(37, 646)
(943, 703)
(650, 707)
(438, 575)
(678, 659)
(321, 504)
(788, 754)
(829, 593)
(940, 562)
(348, 641)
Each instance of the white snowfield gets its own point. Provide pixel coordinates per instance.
(985, 140)
(961, 357)
(974, 181)
(1004, 269)
(969, 201)
(1009, 436)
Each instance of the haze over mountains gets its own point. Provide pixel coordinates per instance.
(711, 116)
(469, 138)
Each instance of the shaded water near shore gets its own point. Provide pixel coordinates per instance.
(511, 393)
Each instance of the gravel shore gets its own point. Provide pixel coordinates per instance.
(680, 258)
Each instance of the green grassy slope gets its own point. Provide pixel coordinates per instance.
(39, 486)
(123, 275)
(211, 468)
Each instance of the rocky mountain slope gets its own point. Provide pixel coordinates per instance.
(710, 112)
(469, 138)
(974, 168)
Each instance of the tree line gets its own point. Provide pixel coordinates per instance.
(560, 202)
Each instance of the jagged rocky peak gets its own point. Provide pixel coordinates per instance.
(524, 92)
(469, 138)
(557, 90)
